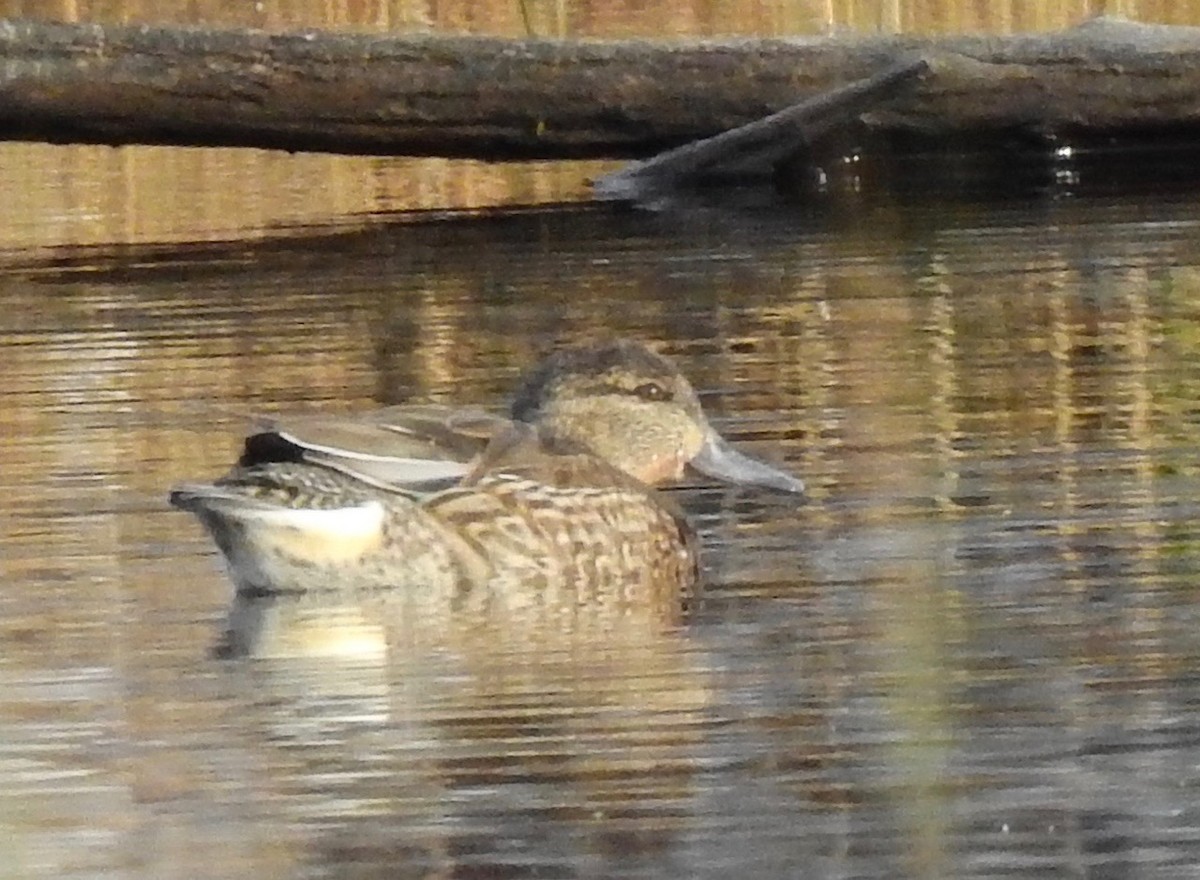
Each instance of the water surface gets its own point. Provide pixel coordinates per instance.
(970, 653)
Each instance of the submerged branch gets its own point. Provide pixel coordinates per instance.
(764, 144)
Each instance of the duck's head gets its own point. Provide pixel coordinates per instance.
(634, 409)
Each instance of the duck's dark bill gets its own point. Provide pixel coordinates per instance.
(720, 460)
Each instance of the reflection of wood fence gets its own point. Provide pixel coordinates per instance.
(494, 99)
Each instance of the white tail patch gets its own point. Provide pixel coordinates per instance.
(323, 537)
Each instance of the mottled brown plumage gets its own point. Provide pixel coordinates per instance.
(449, 502)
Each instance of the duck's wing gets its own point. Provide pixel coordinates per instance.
(400, 448)
(521, 450)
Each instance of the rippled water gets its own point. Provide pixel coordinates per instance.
(971, 653)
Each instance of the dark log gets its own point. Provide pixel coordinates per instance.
(500, 99)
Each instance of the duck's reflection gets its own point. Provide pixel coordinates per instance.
(335, 624)
(565, 730)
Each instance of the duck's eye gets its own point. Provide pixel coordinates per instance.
(652, 391)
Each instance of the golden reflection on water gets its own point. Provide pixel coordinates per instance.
(80, 195)
(974, 648)
(983, 618)
(83, 195)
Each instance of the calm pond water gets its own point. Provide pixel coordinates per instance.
(971, 653)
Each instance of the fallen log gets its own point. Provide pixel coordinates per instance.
(500, 99)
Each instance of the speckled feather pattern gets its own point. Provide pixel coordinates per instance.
(593, 538)
(503, 529)
(557, 502)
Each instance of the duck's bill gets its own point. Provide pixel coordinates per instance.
(720, 460)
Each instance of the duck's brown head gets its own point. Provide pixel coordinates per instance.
(634, 409)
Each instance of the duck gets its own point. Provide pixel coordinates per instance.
(562, 492)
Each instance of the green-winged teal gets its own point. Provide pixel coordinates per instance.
(430, 498)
